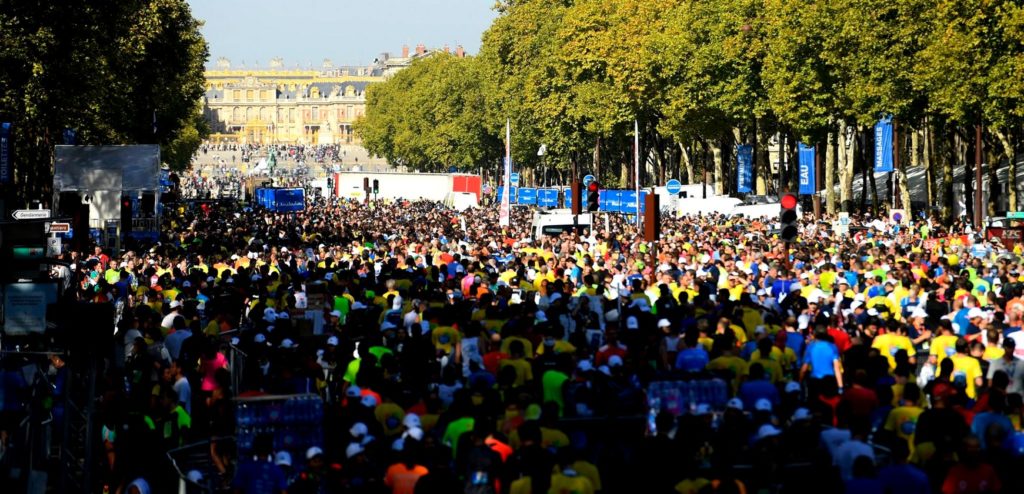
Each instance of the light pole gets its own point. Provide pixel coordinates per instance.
(542, 152)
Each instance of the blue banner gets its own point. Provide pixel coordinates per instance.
(745, 168)
(883, 145)
(628, 204)
(547, 198)
(610, 200)
(5, 153)
(806, 169)
(281, 200)
(70, 137)
(512, 197)
(527, 196)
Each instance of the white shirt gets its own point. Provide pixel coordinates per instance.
(184, 391)
(847, 453)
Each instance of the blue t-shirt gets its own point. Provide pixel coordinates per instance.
(751, 391)
(821, 355)
(795, 342)
(692, 359)
(259, 477)
(984, 420)
(904, 479)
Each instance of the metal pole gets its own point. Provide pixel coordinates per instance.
(979, 212)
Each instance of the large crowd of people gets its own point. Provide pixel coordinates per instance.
(452, 354)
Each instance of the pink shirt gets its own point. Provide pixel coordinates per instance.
(210, 367)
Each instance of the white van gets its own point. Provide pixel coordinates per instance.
(558, 221)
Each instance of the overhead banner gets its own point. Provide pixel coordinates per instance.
(806, 168)
(5, 153)
(505, 209)
(883, 145)
(745, 168)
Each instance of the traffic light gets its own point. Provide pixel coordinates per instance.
(366, 184)
(593, 196)
(126, 214)
(376, 186)
(789, 229)
(576, 198)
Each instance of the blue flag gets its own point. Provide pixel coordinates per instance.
(806, 169)
(5, 153)
(745, 168)
(883, 145)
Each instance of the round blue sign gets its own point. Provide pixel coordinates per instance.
(514, 178)
(587, 179)
(673, 186)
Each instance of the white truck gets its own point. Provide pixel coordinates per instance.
(558, 221)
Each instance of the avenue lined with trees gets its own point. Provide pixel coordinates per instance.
(701, 77)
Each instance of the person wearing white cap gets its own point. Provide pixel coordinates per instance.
(768, 431)
(168, 321)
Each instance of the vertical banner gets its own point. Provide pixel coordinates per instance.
(5, 153)
(883, 145)
(745, 168)
(636, 161)
(806, 169)
(504, 212)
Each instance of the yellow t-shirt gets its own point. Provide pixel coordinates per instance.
(575, 484)
(524, 371)
(943, 346)
(691, 486)
(902, 421)
(968, 368)
(890, 343)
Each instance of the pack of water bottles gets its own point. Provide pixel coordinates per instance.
(679, 397)
(295, 422)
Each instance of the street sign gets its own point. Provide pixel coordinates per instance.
(513, 178)
(673, 186)
(587, 179)
(59, 228)
(899, 216)
(1015, 215)
(31, 214)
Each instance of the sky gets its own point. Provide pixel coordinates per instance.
(348, 32)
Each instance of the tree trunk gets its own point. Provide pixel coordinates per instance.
(926, 159)
(687, 162)
(962, 149)
(912, 162)
(945, 151)
(763, 168)
(719, 167)
(1010, 154)
(830, 173)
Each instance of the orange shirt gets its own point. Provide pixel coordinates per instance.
(402, 480)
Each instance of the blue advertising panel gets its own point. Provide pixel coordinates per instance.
(547, 198)
(745, 168)
(628, 205)
(281, 200)
(5, 153)
(512, 198)
(610, 200)
(287, 200)
(806, 169)
(527, 196)
(883, 145)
